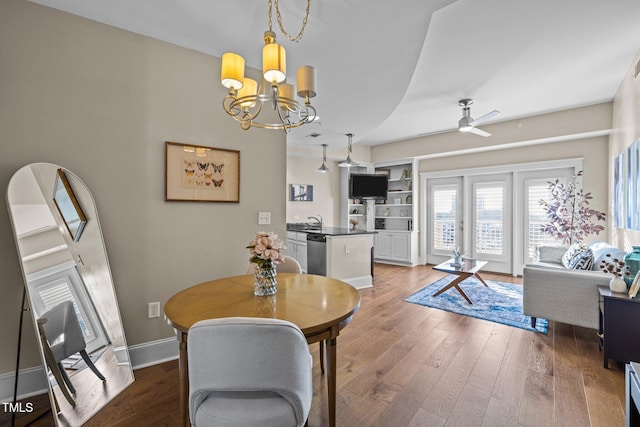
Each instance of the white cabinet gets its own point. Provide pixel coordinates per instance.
(297, 248)
(398, 211)
(394, 246)
(395, 219)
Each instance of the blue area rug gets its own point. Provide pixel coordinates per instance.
(500, 302)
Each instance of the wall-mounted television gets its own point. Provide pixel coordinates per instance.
(363, 186)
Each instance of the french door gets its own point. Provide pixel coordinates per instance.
(489, 208)
(484, 204)
(445, 224)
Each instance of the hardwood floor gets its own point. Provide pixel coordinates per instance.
(401, 364)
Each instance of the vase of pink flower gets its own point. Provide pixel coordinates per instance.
(266, 251)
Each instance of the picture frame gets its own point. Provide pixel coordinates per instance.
(635, 286)
(300, 193)
(619, 191)
(67, 204)
(197, 173)
(632, 206)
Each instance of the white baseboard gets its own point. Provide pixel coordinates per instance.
(154, 352)
(361, 282)
(33, 381)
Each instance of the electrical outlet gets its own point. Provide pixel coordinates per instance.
(347, 249)
(153, 310)
(264, 218)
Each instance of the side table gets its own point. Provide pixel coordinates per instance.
(619, 333)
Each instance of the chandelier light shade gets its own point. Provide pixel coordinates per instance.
(347, 163)
(306, 82)
(246, 98)
(274, 59)
(232, 72)
(323, 168)
(246, 94)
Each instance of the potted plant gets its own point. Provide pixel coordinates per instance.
(571, 218)
(618, 269)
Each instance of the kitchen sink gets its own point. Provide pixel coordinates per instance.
(303, 226)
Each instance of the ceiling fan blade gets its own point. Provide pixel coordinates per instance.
(484, 118)
(479, 132)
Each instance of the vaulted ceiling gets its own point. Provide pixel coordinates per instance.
(393, 70)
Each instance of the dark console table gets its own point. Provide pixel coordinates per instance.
(632, 371)
(619, 331)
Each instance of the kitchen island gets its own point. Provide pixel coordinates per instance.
(335, 252)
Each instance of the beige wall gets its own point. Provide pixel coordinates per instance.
(626, 130)
(326, 190)
(102, 102)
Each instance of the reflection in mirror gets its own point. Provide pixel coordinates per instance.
(71, 292)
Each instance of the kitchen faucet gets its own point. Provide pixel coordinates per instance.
(318, 219)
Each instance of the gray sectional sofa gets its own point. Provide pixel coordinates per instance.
(553, 292)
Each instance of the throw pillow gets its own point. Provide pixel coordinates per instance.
(570, 253)
(582, 260)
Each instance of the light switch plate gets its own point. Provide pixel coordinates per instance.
(264, 218)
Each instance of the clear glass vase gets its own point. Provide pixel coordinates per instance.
(265, 279)
(632, 261)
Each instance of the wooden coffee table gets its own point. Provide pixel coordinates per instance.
(468, 268)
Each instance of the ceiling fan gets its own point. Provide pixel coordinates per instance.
(468, 124)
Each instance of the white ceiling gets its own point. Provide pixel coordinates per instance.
(392, 70)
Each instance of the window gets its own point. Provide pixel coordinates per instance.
(489, 218)
(444, 218)
(536, 216)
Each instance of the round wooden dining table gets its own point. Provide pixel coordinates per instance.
(320, 306)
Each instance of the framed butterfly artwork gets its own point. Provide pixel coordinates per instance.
(196, 173)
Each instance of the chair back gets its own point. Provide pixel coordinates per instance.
(249, 354)
(62, 330)
(290, 265)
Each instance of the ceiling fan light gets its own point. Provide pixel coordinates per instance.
(232, 70)
(464, 124)
(274, 59)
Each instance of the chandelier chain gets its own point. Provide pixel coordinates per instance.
(279, 18)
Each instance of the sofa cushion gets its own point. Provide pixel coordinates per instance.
(570, 253)
(549, 254)
(582, 260)
(600, 251)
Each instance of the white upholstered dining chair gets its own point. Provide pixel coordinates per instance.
(248, 372)
(290, 265)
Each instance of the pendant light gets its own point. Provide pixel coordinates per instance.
(323, 168)
(347, 163)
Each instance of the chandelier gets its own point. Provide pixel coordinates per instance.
(246, 99)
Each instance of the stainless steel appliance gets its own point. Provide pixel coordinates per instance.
(317, 253)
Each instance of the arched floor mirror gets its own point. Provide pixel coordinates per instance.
(70, 290)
